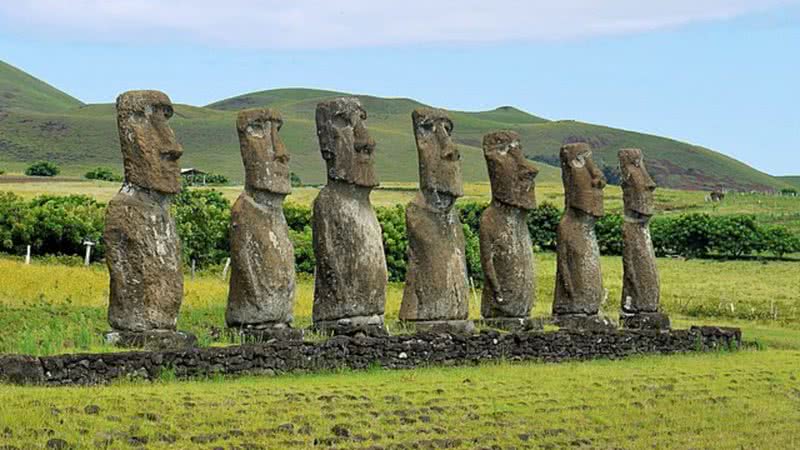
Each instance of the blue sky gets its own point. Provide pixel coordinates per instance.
(718, 73)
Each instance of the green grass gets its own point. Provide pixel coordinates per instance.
(736, 400)
(44, 123)
(50, 308)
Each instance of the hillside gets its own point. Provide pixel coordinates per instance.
(794, 180)
(39, 122)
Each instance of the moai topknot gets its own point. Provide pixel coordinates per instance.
(506, 249)
(640, 287)
(579, 282)
(262, 283)
(143, 250)
(351, 274)
(435, 295)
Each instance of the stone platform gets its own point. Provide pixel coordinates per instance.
(391, 352)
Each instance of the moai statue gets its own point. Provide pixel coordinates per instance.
(435, 295)
(579, 282)
(262, 285)
(640, 287)
(351, 273)
(506, 249)
(143, 250)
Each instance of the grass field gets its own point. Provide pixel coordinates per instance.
(748, 399)
(744, 399)
(55, 308)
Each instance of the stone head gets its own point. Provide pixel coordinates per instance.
(345, 143)
(150, 151)
(266, 161)
(439, 159)
(637, 186)
(511, 175)
(583, 181)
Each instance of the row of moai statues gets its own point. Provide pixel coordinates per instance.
(143, 254)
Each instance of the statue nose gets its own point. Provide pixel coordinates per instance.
(281, 154)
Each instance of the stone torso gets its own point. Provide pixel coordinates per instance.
(351, 272)
(507, 261)
(640, 288)
(262, 283)
(144, 261)
(579, 282)
(436, 283)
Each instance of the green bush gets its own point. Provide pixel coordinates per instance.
(295, 180)
(304, 260)
(609, 234)
(103, 174)
(779, 241)
(395, 243)
(203, 219)
(42, 169)
(543, 226)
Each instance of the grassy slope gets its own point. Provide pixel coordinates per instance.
(19, 90)
(47, 124)
(791, 179)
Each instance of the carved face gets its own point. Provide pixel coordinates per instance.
(345, 143)
(637, 186)
(511, 175)
(266, 162)
(439, 159)
(583, 181)
(149, 149)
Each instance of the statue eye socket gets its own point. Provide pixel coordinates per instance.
(279, 124)
(426, 126)
(448, 127)
(341, 121)
(168, 111)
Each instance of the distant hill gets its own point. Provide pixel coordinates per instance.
(39, 122)
(794, 180)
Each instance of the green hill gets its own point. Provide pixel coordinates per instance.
(794, 180)
(39, 122)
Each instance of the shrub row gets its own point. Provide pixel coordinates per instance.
(59, 225)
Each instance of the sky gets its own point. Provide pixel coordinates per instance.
(718, 73)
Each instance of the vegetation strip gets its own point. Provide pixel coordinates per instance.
(394, 352)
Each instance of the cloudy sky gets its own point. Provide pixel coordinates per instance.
(719, 73)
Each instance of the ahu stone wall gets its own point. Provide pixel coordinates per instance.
(391, 352)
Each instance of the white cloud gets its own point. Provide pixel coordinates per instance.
(321, 24)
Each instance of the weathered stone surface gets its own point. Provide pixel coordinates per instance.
(143, 249)
(436, 278)
(579, 282)
(506, 249)
(267, 333)
(351, 326)
(451, 327)
(150, 151)
(439, 167)
(262, 284)
(391, 352)
(641, 285)
(154, 340)
(645, 320)
(585, 322)
(21, 369)
(514, 323)
(351, 273)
